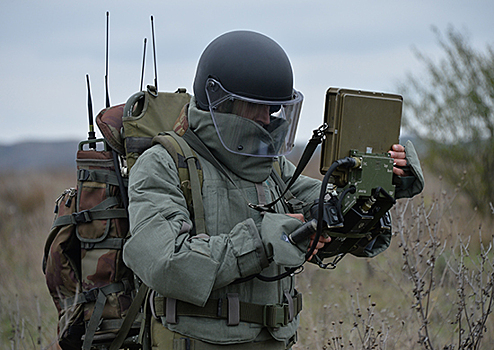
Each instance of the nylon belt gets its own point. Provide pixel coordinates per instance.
(270, 315)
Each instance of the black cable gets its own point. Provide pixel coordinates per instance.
(345, 162)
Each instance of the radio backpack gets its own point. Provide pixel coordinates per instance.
(97, 297)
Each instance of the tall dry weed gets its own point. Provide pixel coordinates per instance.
(27, 313)
(432, 289)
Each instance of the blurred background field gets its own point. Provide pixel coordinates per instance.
(432, 289)
(27, 313)
(362, 304)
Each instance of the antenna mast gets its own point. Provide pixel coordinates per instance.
(106, 59)
(154, 54)
(91, 134)
(143, 62)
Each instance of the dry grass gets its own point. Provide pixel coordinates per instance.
(27, 313)
(429, 290)
(432, 289)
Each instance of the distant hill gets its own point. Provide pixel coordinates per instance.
(30, 156)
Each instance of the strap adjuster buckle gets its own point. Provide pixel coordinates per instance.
(81, 217)
(91, 295)
(275, 315)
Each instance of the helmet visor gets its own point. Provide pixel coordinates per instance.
(253, 127)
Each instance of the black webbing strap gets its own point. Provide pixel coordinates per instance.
(294, 204)
(98, 311)
(99, 175)
(98, 212)
(129, 318)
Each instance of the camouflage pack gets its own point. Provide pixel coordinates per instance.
(97, 297)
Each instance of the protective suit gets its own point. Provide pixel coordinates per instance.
(194, 269)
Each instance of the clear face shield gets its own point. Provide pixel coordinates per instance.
(253, 127)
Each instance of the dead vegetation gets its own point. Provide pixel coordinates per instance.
(432, 289)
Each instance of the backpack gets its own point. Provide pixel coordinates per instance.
(97, 297)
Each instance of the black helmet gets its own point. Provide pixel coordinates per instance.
(245, 63)
(245, 80)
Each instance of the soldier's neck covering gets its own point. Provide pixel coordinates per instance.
(254, 169)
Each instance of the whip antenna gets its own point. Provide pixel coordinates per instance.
(106, 59)
(154, 54)
(143, 62)
(91, 134)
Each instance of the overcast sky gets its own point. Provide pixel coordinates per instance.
(47, 48)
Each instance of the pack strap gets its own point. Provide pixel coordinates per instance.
(195, 183)
(130, 317)
(191, 159)
(99, 175)
(234, 311)
(86, 216)
(198, 146)
(92, 294)
(101, 296)
(98, 212)
(108, 243)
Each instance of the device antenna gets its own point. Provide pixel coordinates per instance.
(106, 58)
(91, 134)
(143, 63)
(154, 54)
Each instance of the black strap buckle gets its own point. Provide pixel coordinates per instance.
(81, 217)
(83, 175)
(91, 295)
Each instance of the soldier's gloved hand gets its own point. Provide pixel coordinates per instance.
(275, 229)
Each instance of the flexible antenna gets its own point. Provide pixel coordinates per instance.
(154, 54)
(106, 59)
(91, 134)
(143, 62)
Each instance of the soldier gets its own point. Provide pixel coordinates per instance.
(245, 111)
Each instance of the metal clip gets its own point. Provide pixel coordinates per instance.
(320, 132)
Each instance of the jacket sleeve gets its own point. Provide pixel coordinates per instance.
(164, 253)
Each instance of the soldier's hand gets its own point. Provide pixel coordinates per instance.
(398, 155)
(322, 240)
(320, 244)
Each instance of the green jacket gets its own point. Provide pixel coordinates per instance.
(194, 269)
(176, 264)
